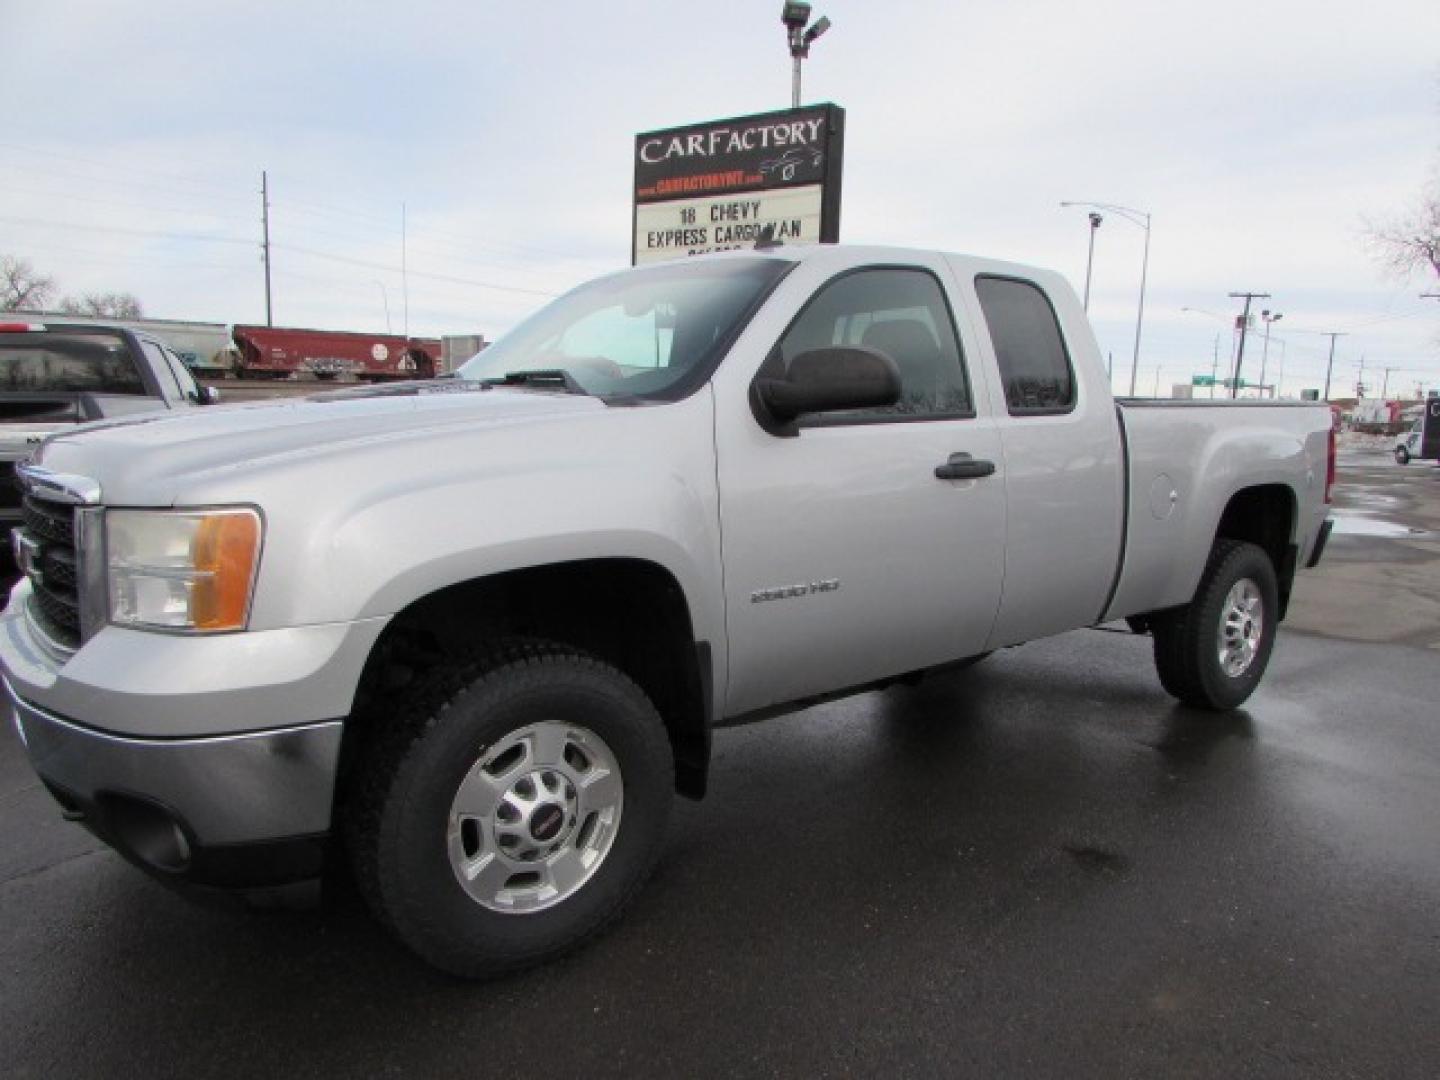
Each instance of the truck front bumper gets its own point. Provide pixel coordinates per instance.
(209, 761)
(233, 811)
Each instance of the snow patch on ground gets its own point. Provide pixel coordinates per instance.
(1355, 440)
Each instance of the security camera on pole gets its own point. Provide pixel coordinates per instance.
(795, 15)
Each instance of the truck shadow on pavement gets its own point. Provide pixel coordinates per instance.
(843, 848)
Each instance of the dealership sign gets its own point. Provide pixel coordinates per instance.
(728, 183)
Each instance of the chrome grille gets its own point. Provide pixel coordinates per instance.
(50, 563)
(9, 486)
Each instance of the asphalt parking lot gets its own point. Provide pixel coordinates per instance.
(1041, 867)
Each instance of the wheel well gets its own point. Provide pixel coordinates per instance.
(1265, 516)
(628, 612)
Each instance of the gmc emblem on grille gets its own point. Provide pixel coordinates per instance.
(27, 554)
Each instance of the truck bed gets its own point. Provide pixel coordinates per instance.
(1181, 474)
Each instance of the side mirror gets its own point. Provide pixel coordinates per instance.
(831, 379)
(206, 395)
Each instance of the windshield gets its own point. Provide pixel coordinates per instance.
(651, 333)
(67, 363)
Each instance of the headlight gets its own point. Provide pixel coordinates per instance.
(191, 571)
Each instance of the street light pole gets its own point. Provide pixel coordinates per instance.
(1268, 318)
(795, 15)
(1095, 220)
(1142, 219)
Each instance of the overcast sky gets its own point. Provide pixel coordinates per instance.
(1259, 135)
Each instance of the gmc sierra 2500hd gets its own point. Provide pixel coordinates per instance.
(474, 634)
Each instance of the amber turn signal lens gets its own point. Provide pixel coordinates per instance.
(225, 548)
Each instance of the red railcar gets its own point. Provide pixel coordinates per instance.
(281, 352)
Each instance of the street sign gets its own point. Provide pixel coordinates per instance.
(1202, 380)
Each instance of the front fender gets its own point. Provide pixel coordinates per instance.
(628, 483)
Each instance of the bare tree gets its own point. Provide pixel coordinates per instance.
(1411, 241)
(103, 305)
(21, 287)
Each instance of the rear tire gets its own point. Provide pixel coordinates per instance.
(511, 809)
(1212, 652)
(1402, 456)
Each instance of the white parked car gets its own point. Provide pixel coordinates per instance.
(1415, 445)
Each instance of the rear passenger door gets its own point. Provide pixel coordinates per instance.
(1064, 472)
(846, 557)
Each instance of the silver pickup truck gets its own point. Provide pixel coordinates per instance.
(469, 637)
(55, 375)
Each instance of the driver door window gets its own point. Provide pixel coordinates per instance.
(903, 314)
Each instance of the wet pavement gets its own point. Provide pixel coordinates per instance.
(1380, 578)
(1040, 867)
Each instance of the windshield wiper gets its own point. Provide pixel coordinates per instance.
(543, 379)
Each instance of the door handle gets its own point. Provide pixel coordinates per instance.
(964, 467)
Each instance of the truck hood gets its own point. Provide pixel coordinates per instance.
(146, 460)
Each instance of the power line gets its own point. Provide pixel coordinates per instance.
(128, 166)
(128, 205)
(153, 233)
(414, 273)
(312, 252)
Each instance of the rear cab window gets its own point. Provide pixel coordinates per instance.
(1035, 366)
(164, 374)
(68, 361)
(189, 388)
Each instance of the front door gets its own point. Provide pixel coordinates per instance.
(846, 558)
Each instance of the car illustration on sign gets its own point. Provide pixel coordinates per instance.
(785, 165)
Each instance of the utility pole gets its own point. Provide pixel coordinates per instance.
(1140, 315)
(1330, 364)
(1385, 382)
(1244, 322)
(404, 271)
(265, 247)
(1215, 367)
(1360, 379)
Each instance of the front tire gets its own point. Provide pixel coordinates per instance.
(1402, 455)
(512, 810)
(1212, 652)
